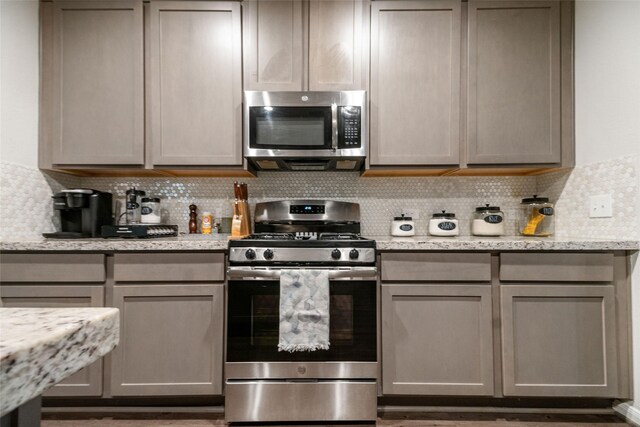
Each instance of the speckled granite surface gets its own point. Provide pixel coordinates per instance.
(385, 243)
(40, 347)
(197, 242)
(507, 243)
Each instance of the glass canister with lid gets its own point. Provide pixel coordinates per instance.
(444, 224)
(536, 217)
(488, 221)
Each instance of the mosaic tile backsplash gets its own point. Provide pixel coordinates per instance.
(571, 190)
(26, 203)
(26, 207)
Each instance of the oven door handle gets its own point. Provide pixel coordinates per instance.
(274, 273)
(334, 126)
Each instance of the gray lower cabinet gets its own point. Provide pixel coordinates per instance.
(514, 76)
(87, 381)
(96, 83)
(171, 340)
(196, 83)
(559, 340)
(415, 83)
(437, 339)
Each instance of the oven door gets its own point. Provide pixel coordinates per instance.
(253, 318)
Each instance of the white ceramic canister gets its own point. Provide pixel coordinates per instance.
(150, 212)
(403, 226)
(488, 221)
(444, 224)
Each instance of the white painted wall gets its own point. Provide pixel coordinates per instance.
(19, 81)
(607, 65)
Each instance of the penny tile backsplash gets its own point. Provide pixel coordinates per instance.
(26, 204)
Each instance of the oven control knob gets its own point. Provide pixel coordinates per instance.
(354, 254)
(250, 254)
(268, 254)
(336, 254)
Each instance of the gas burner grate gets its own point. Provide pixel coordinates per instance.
(339, 236)
(272, 236)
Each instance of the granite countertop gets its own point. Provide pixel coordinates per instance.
(186, 242)
(39, 347)
(505, 243)
(201, 242)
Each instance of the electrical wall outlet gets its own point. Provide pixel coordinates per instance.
(600, 206)
(412, 213)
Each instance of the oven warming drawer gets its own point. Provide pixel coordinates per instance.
(283, 401)
(301, 370)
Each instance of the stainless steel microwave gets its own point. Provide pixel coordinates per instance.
(305, 131)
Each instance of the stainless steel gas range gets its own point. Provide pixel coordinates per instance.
(266, 385)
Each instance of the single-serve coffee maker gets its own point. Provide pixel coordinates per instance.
(83, 212)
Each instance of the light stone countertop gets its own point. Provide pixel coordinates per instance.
(384, 243)
(39, 347)
(505, 243)
(187, 242)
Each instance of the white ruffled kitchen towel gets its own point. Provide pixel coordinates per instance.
(304, 310)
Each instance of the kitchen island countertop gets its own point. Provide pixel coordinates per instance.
(40, 347)
(384, 243)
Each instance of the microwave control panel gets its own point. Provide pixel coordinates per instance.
(349, 135)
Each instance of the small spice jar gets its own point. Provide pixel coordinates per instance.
(443, 224)
(536, 217)
(150, 211)
(488, 221)
(207, 222)
(403, 226)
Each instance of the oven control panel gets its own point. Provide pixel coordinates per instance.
(349, 123)
(326, 255)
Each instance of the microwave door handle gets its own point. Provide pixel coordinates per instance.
(334, 126)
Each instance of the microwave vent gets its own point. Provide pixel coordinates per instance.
(308, 166)
(346, 165)
(268, 164)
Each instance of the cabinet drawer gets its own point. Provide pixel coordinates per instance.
(430, 267)
(169, 267)
(52, 268)
(557, 267)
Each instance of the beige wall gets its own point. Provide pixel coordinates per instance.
(608, 105)
(19, 82)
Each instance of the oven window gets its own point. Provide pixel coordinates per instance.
(297, 128)
(253, 322)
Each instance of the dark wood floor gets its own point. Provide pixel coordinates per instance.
(387, 420)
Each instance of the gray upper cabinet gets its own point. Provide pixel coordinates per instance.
(273, 40)
(559, 340)
(294, 45)
(97, 83)
(415, 83)
(196, 83)
(514, 76)
(336, 45)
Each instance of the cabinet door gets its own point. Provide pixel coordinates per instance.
(415, 82)
(336, 45)
(437, 340)
(514, 82)
(273, 40)
(196, 83)
(87, 381)
(170, 340)
(559, 340)
(98, 89)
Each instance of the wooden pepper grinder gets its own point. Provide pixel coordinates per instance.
(193, 222)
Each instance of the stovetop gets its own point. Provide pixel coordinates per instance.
(304, 236)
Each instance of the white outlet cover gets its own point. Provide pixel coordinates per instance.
(412, 213)
(600, 206)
